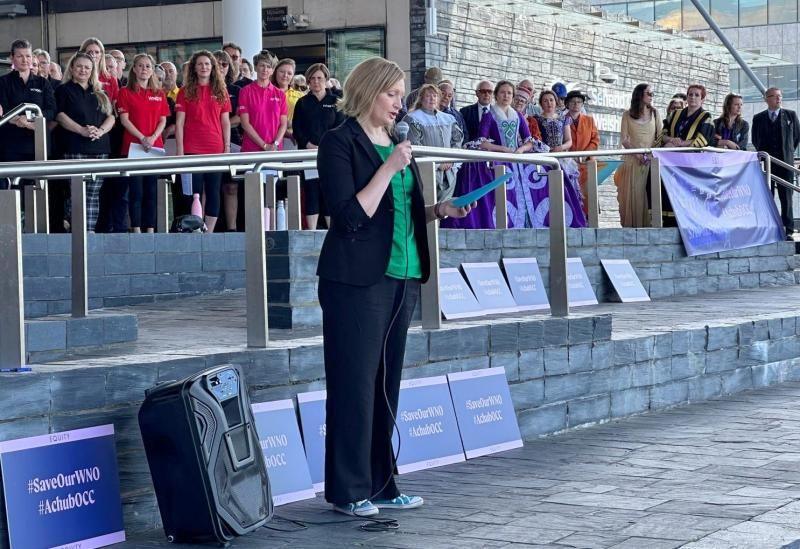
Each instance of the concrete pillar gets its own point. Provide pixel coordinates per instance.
(241, 23)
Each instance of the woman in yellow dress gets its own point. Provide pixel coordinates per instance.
(639, 130)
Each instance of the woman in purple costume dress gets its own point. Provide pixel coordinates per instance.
(502, 129)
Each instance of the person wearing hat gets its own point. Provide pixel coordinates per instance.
(585, 136)
(561, 93)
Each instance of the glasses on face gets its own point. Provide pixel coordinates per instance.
(222, 64)
(483, 91)
(775, 95)
(649, 93)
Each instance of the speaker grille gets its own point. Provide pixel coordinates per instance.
(207, 426)
(241, 493)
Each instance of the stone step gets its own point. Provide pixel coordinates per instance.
(50, 338)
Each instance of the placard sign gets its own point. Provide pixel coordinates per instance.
(457, 300)
(312, 421)
(579, 289)
(427, 424)
(62, 489)
(485, 412)
(489, 287)
(625, 281)
(525, 281)
(279, 437)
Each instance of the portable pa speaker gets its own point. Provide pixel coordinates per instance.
(205, 459)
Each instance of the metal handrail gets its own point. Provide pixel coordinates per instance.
(19, 109)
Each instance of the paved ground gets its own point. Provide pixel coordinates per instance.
(218, 323)
(717, 475)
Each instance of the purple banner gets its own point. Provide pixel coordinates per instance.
(721, 200)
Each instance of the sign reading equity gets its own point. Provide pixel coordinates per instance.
(312, 421)
(526, 284)
(427, 425)
(485, 412)
(457, 300)
(489, 286)
(579, 289)
(283, 451)
(62, 489)
(625, 281)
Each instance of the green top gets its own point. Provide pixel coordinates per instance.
(404, 260)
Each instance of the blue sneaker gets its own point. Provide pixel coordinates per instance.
(400, 502)
(363, 508)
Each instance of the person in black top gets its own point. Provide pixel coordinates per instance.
(731, 130)
(230, 188)
(314, 114)
(86, 114)
(22, 86)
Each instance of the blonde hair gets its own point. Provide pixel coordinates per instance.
(152, 82)
(94, 82)
(102, 70)
(366, 81)
(426, 88)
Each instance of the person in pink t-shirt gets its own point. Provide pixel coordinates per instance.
(263, 109)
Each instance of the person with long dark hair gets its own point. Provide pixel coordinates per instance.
(143, 112)
(230, 188)
(731, 130)
(373, 260)
(639, 129)
(87, 116)
(203, 126)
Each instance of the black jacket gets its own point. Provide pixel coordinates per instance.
(312, 118)
(357, 247)
(790, 127)
(471, 121)
(741, 132)
(17, 141)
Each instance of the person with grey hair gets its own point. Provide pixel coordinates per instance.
(170, 83)
(433, 75)
(119, 57)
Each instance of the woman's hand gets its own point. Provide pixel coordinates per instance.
(400, 157)
(447, 208)
(147, 142)
(446, 166)
(626, 142)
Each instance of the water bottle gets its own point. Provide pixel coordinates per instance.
(197, 208)
(280, 217)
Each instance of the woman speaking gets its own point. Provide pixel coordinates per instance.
(373, 260)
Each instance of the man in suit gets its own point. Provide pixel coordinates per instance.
(474, 113)
(776, 131)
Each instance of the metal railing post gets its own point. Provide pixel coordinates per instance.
(40, 153)
(767, 166)
(272, 181)
(256, 260)
(559, 294)
(162, 204)
(31, 209)
(593, 208)
(500, 200)
(12, 303)
(80, 287)
(293, 221)
(431, 307)
(656, 208)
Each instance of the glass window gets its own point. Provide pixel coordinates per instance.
(785, 78)
(643, 11)
(347, 48)
(752, 12)
(692, 20)
(734, 76)
(725, 12)
(782, 11)
(668, 13)
(748, 90)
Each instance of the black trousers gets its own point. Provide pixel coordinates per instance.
(359, 461)
(785, 198)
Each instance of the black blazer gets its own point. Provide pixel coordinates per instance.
(791, 133)
(741, 132)
(357, 247)
(471, 120)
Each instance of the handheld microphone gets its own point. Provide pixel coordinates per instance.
(401, 131)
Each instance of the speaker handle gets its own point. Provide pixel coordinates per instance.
(250, 457)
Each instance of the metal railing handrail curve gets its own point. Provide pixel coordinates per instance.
(19, 109)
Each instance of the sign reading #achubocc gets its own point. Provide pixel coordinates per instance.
(490, 288)
(279, 437)
(312, 421)
(579, 288)
(427, 426)
(457, 300)
(625, 280)
(62, 489)
(485, 413)
(721, 201)
(525, 281)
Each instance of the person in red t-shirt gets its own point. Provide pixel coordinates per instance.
(94, 48)
(203, 126)
(143, 112)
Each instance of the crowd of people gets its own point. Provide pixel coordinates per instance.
(221, 103)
